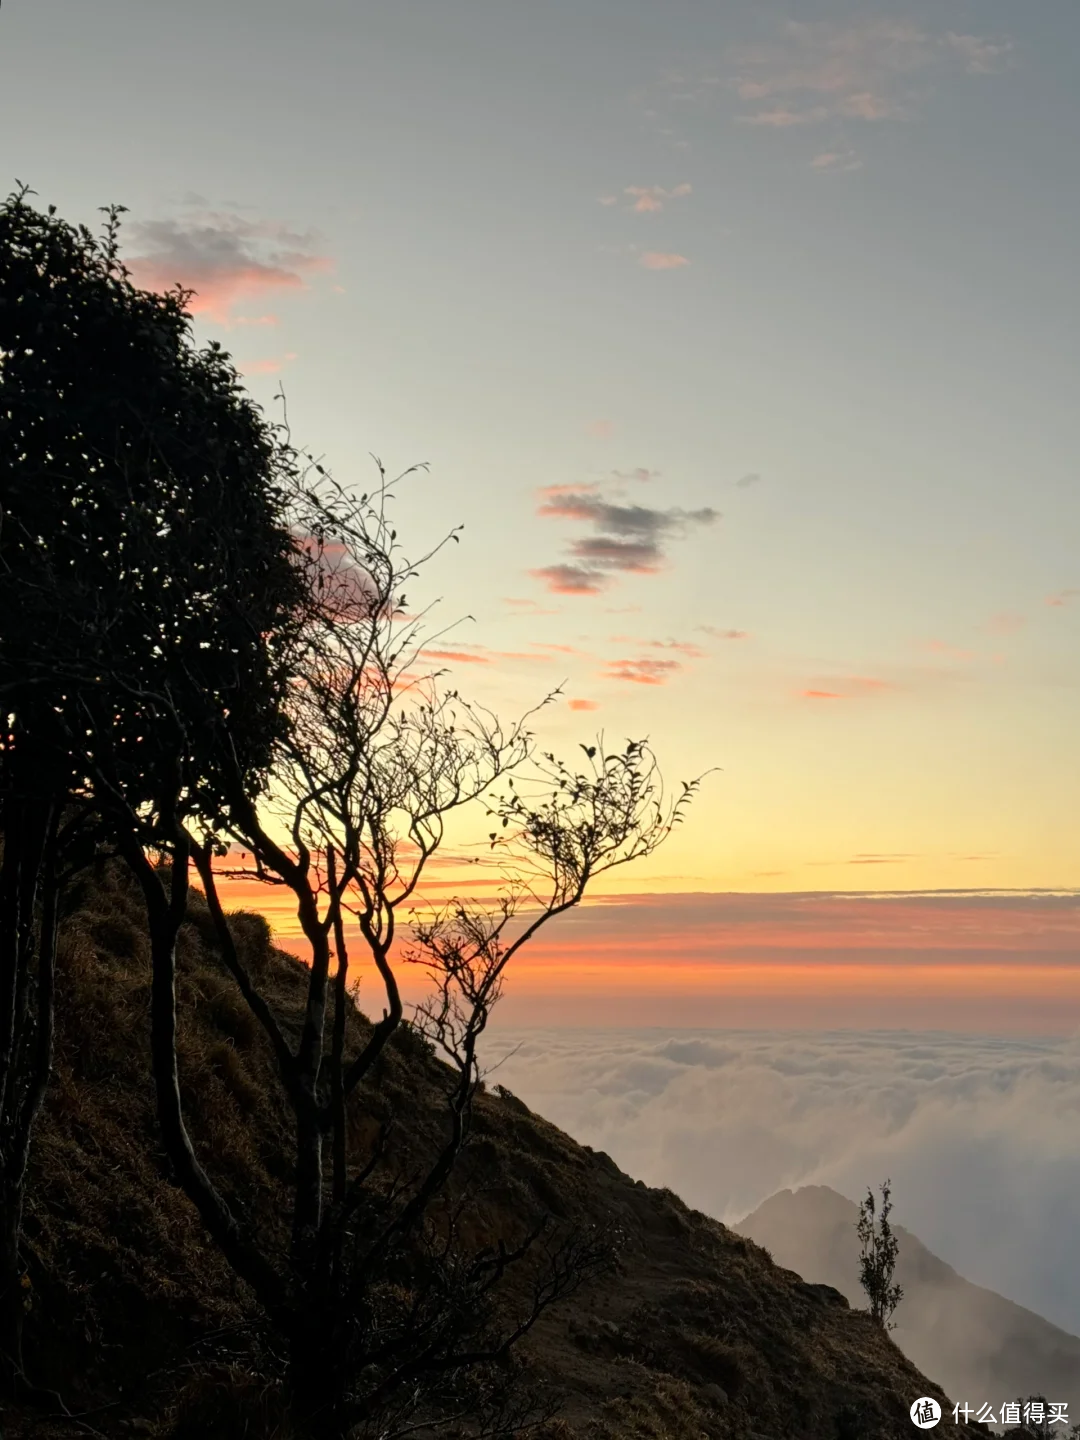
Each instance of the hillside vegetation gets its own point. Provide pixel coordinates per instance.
(135, 1318)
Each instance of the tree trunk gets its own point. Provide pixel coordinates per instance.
(29, 870)
(316, 1378)
(165, 915)
(12, 1294)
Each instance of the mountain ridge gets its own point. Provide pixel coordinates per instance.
(979, 1343)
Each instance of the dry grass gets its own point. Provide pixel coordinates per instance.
(696, 1336)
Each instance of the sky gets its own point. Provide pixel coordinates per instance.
(741, 340)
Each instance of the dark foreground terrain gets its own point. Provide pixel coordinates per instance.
(696, 1335)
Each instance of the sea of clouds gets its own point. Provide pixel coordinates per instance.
(980, 1135)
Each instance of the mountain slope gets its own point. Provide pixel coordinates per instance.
(981, 1346)
(696, 1335)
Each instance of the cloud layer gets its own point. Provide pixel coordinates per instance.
(977, 1134)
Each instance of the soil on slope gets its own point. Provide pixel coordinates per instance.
(695, 1335)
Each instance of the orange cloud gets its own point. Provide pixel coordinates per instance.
(684, 647)
(583, 705)
(850, 687)
(645, 671)
(459, 657)
(662, 260)
(1062, 597)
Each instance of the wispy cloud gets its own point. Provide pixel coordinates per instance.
(528, 607)
(871, 69)
(682, 647)
(599, 429)
(1005, 623)
(465, 654)
(640, 473)
(647, 199)
(981, 56)
(745, 481)
(718, 634)
(623, 538)
(643, 671)
(1062, 597)
(850, 687)
(225, 258)
(947, 651)
(583, 704)
(836, 161)
(268, 365)
(662, 260)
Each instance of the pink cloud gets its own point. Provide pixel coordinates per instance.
(836, 160)
(683, 647)
(869, 69)
(599, 429)
(650, 198)
(644, 671)
(583, 705)
(724, 634)
(270, 365)
(224, 259)
(1005, 623)
(528, 606)
(662, 260)
(628, 538)
(782, 118)
(1062, 597)
(571, 579)
(952, 652)
(849, 688)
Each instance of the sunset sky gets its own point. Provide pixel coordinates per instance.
(742, 339)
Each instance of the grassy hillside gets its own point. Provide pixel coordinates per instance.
(695, 1335)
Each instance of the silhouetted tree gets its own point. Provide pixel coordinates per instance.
(877, 1262)
(386, 1311)
(148, 593)
(203, 647)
